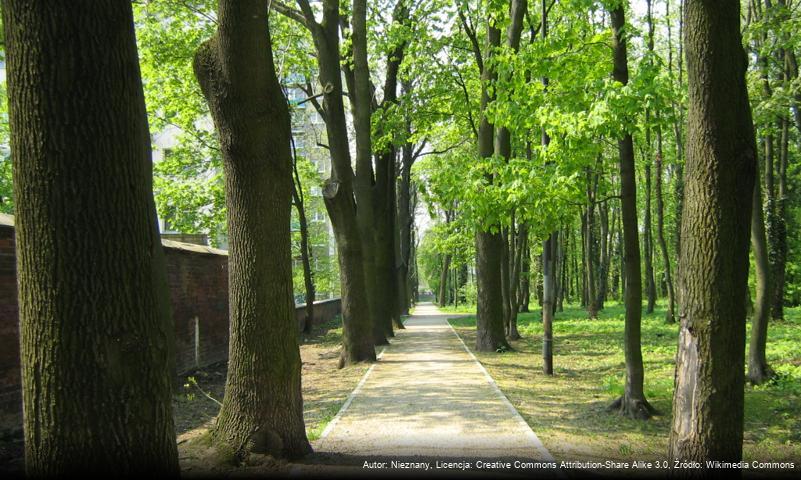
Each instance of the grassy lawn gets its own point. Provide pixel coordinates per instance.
(568, 411)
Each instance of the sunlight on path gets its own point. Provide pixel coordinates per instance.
(429, 397)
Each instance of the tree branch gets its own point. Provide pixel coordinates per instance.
(289, 12)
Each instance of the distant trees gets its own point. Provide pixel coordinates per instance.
(262, 411)
(718, 187)
(96, 331)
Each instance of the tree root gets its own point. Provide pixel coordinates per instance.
(638, 409)
(760, 375)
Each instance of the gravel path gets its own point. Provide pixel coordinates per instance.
(429, 398)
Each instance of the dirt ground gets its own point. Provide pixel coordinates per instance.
(195, 406)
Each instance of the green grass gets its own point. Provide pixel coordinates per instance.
(327, 415)
(459, 309)
(568, 411)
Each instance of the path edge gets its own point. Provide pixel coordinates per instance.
(350, 398)
(526, 427)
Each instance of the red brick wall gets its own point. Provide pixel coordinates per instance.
(199, 295)
(197, 277)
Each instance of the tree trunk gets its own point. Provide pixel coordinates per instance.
(525, 280)
(364, 187)
(443, 281)
(720, 171)
(758, 369)
(520, 242)
(633, 402)
(589, 249)
(94, 328)
(660, 232)
(489, 246)
(505, 275)
(262, 411)
(603, 264)
(338, 190)
(650, 287)
(305, 250)
(387, 252)
(562, 281)
(548, 290)
(778, 230)
(405, 222)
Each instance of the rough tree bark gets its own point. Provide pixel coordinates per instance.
(262, 411)
(633, 402)
(720, 170)
(94, 327)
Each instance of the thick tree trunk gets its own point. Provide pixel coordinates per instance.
(633, 402)
(364, 187)
(720, 171)
(758, 369)
(338, 190)
(94, 328)
(490, 335)
(489, 246)
(262, 411)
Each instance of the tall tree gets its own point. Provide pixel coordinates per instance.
(489, 243)
(658, 165)
(262, 411)
(338, 190)
(548, 251)
(503, 148)
(719, 182)
(633, 402)
(360, 94)
(94, 327)
(387, 238)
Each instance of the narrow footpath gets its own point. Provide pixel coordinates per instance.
(429, 398)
